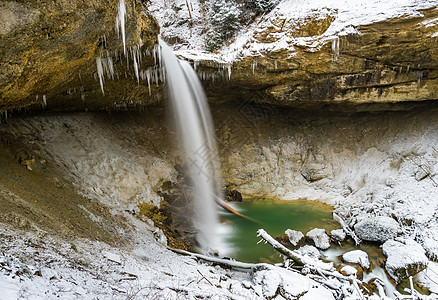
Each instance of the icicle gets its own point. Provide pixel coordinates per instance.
(335, 48)
(420, 76)
(120, 23)
(253, 66)
(83, 97)
(148, 77)
(229, 71)
(157, 55)
(36, 98)
(275, 65)
(110, 67)
(44, 104)
(136, 69)
(100, 72)
(196, 64)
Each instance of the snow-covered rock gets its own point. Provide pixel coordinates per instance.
(338, 234)
(348, 270)
(405, 258)
(309, 251)
(320, 238)
(272, 281)
(377, 229)
(357, 257)
(294, 236)
(317, 293)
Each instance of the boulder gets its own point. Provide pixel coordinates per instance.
(357, 257)
(271, 281)
(319, 238)
(313, 172)
(338, 234)
(348, 270)
(294, 236)
(309, 251)
(405, 257)
(377, 229)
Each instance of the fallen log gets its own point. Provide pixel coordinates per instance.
(347, 229)
(228, 208)
(295, 256)
(216, 260)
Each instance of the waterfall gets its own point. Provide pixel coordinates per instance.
(194, 125)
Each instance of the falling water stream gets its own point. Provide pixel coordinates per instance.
(194, 127)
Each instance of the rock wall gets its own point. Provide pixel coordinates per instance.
(379, 164)
(365, 164)
(48, 52)
(385, 62)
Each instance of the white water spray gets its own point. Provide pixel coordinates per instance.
(194, 124)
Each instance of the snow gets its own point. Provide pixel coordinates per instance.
(319, 237)
(290, 284)
(357, 257)
(294, 236)
(317, 293)
(377, 229)
(112, 257)
(338, 234)
(405, 257)
(8, 290)
(349, 270)
(309, 251)
(48, 268)
(346, 17)
(429, 277)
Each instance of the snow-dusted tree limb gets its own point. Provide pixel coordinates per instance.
(335, 274)
(298, 258)
(347, 229)
(358, 290)
(219, 261)
(380, 287)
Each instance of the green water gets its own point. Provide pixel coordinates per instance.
(275, 217)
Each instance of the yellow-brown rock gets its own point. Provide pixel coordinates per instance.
(391, 61)
(49, 48)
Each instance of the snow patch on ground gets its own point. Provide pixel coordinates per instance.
(36, 266)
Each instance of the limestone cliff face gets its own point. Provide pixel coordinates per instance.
(48, 50)
(389, 61)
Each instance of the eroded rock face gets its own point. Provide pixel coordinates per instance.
(48, 53)
(389, 61)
